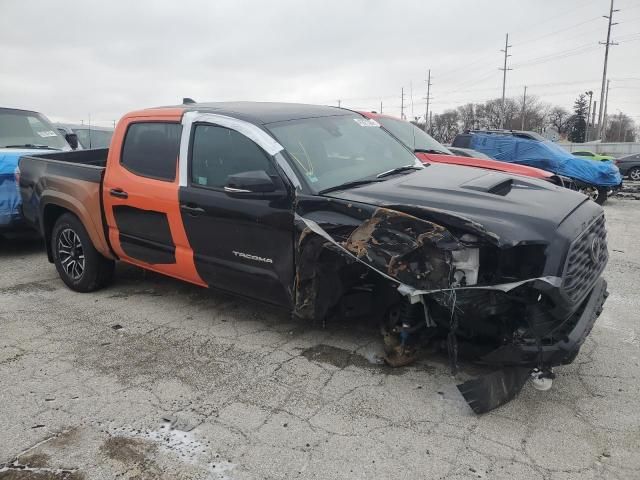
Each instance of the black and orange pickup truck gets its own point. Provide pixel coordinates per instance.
(319, 210)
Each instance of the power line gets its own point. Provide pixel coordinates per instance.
(580, 49)
(558, 31)
(537, 25)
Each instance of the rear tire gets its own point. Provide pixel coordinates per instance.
(80, 266)
(634, 173)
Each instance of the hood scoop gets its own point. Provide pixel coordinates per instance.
(496, 184)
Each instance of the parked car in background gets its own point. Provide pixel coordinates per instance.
(592, 156)
(428, 149)
(89, 136)
(467, 152)
(318, 210)
(22, 132)
(595, 179)
(629, 166)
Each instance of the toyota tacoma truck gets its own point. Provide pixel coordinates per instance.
(318, 210)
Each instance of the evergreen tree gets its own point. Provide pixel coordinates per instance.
(578, 123)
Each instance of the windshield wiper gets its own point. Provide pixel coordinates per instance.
(31, 145)
(430, 150)
(346, 185)
(398, 170)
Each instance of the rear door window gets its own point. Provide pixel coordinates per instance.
(151, 149)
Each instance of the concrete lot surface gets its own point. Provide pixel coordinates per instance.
(155, 379)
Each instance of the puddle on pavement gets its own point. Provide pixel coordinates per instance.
(342, 358)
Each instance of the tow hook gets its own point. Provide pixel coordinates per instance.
(542, 379)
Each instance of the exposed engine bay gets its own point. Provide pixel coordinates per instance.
(433, 278)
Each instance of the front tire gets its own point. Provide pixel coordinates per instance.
(598, 195)
(80, 266)
(634, 174)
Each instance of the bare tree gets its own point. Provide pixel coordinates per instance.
(559, 118)
(620, 128)
(536, 114)
(444, 127)
(468, 117)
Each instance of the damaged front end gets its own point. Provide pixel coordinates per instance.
(440, 278)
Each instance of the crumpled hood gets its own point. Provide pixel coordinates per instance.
(515, 208)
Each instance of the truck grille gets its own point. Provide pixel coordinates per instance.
(588, 255)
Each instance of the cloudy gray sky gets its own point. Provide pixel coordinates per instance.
(72, 59)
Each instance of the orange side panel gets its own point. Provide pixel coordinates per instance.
(149, 194)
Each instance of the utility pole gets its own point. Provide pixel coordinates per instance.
(604, 117)
(524, 103)
(593, 114)
(586, 134)
(411, 96)
(402, 103)
(380, 106)
(504, 76)
(426, 112)
(430, 119)
(339, 103)
(604, 68)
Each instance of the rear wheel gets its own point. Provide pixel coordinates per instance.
(634, 174)
(79, 264)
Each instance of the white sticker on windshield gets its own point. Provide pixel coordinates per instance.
(366, 122)
(47, 133)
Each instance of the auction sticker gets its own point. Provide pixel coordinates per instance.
(366, 122)
(47, 133)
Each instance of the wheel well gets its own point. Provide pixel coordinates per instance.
(50, 216)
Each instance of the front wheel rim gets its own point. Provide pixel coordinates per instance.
(591, 192)
(71, 254)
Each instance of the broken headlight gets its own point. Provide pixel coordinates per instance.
(466, 262)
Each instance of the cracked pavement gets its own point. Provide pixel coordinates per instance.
(152, 378)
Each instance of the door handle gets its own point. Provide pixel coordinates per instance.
(192, 209)
(118, 192)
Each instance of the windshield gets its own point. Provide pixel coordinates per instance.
(29, 130)
(412, 136)
(93, 138)
(330, 151)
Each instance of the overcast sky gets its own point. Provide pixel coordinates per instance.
(101, 58)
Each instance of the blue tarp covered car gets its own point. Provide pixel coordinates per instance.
(22, 132)
(529, 148)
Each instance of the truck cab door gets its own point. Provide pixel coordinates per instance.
(140, 196)
(242, 240)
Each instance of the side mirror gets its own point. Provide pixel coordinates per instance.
(72, 140)
(256, 181)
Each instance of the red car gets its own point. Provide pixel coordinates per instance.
(428, 149)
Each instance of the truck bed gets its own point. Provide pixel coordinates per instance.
(66, 181)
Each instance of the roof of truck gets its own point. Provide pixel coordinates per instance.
(17, 110)
(264, 112)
